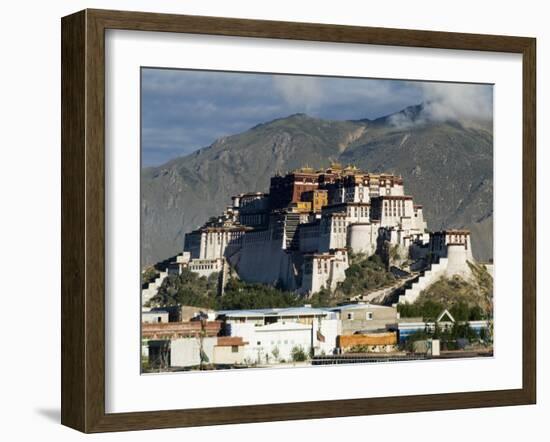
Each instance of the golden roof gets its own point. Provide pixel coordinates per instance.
(305, 169)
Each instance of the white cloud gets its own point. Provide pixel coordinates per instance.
(446, 101)
(304, 93)
(449, 102)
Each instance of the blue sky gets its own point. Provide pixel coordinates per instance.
(184, 110)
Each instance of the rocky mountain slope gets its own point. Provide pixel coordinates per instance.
(447, 167)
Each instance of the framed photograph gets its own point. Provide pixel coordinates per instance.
(268, 221)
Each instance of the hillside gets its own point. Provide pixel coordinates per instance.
(447, 167)
(466, 299)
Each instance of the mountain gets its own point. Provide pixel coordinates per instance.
(446, 165)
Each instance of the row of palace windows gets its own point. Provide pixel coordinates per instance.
(226, 236)
(394, 207)
(359, 211)
(201, 267)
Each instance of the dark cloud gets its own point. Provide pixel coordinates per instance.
(184, 110)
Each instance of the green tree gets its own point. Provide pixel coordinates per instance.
(148, 275)
(476, 313)
(323, 298)
(428, 310)
(364, 274)
(484, 284)
(460, 311)
(188, 288)
(242, 295)
(298, 354)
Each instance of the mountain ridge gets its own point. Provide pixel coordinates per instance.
(446, 166)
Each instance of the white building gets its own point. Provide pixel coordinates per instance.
(218, 350)
(324, 270)
(154, 316)
(203, 267)
(272, 334)
(364, 317)
(214, 242)
(186, 352)
(441, 243)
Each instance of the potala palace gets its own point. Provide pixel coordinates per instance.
(302, 233)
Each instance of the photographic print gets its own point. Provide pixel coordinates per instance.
(292, 220)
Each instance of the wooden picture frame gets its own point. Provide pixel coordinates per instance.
(83, 220)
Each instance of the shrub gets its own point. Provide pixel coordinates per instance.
(427, 310)
(240, 295)
(148, 275)
(298, 354)
(364, 274)
(190, 289)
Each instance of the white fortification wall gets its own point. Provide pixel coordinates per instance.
(362, 238)
(436, 271)
(152, 288)
(263, 260)
(455, 263)
(309, 238)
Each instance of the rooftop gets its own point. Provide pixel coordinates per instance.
(288, 311)
(229, 341)
(452, 232)
(360, 305)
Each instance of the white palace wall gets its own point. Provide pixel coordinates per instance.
(263, 259)
(454, 263)
(324, 271)
(457, 261)
(362, 238)
(309, 237)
